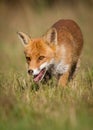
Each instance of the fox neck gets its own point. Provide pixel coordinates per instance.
(61, 65)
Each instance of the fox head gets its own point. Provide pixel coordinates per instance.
(39, 53)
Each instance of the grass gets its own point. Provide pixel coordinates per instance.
(22, 104)
(50, 107)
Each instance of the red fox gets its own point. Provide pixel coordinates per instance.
(56, 53)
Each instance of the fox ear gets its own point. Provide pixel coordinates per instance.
(24, 38)
(51, 36)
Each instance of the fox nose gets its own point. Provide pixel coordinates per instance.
(30, 72)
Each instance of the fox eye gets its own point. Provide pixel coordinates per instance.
(41, 57)
(28, 58)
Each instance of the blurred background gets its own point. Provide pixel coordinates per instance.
(34, 17)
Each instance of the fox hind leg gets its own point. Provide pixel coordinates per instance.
(74, 69)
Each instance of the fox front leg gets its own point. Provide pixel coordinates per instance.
(63, 80)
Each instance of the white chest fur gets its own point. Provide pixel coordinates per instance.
(61, 67)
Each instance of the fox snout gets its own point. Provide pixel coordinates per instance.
(38, 74)
(30, 72)
(34, 71)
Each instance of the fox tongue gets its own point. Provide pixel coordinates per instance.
(39, 76)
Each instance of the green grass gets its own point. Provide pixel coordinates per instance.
(22, 104)
(49, 107)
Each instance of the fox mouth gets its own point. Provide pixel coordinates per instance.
(40, 76)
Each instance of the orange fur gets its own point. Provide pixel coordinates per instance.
(58, 51)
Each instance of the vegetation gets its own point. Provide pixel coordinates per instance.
(22, 104)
